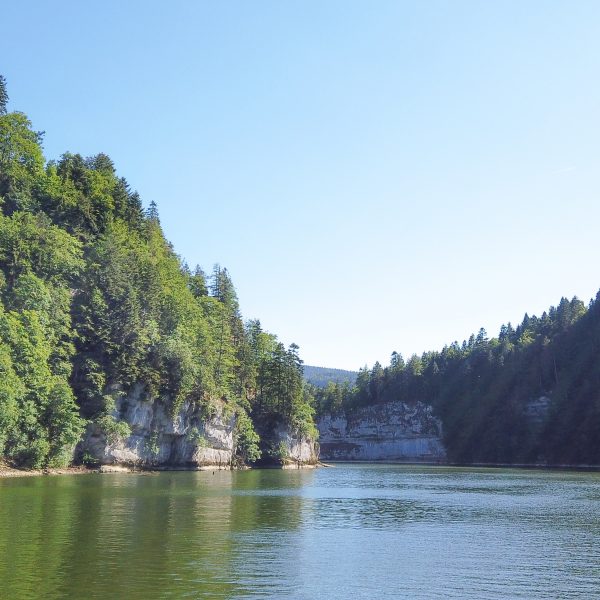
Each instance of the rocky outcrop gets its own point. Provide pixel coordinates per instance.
(301, 450)
(157, 439)
(393, 431)
(190, 439)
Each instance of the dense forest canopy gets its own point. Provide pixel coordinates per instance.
(94, 300)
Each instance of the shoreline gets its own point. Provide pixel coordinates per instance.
(6, 471)
(519, 466)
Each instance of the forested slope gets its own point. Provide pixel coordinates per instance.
(321, 376)
(530, 395)
(94, 300)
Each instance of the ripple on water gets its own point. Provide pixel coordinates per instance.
(359, 531)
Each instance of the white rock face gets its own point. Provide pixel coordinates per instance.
(301, 450)
(157, 439)
(392, 431)
(186, 440)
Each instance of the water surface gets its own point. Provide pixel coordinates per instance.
(353, 531)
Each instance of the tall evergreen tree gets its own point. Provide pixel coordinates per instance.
(152, 212)
(3, 96)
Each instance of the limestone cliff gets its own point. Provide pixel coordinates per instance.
(157, 439)
(191, 439)
(299, 450)
(392, 431)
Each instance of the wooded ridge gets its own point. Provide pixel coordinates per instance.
(94, 300)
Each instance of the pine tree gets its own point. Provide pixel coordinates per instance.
(197, 283)
(152, 212)
(3, 95)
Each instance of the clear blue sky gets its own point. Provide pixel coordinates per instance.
(376, 176)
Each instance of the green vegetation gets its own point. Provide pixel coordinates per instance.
(321, 376)
(93, 300)
(482, 389)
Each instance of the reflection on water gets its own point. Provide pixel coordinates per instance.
(360, 531)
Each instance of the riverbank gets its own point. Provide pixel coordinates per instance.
(522, 466)
(8, 471)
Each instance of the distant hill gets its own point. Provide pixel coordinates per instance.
(321, 376)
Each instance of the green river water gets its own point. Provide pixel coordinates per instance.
(353, 531)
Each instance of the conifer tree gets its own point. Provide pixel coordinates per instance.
(3, 96)
(152, 212)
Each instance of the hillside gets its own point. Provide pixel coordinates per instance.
(110, 343)
(321, 376)
(529, 395)
(107, 335)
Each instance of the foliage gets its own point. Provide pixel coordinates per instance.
(39, 421)
(247, 441)
(321, 376)
(482, 389)
(278, 451)
(114, 429)
(194, 436)
(152, 445)
(94, 299)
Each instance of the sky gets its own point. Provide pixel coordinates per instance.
(376, 176)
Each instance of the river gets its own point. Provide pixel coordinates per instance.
(352, 531)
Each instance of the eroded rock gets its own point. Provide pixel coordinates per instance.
(393, 431)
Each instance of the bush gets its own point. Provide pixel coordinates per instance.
(113, 429)
(246, 439)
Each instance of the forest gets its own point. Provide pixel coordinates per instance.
(484, 389)
(94, 299)
(321, 376)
